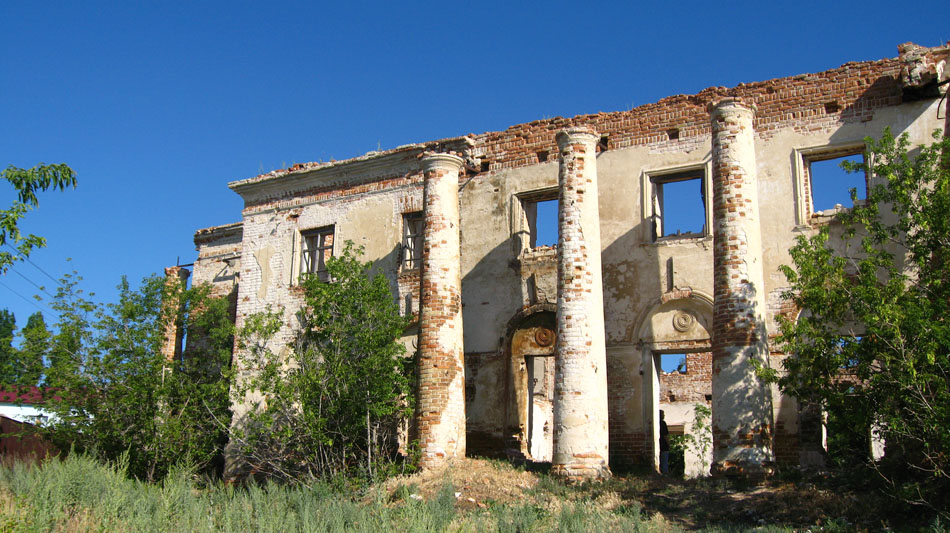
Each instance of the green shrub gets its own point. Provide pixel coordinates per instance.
(331, 408)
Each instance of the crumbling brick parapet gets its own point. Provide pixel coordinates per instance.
(921, 65)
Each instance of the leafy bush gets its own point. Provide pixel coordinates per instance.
(872, 345)
(333, 406)
(115, 395)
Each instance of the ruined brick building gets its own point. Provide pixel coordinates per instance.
(553, 353)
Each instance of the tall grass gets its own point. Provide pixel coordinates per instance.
(79, 494)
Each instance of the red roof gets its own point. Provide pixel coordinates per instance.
(21, 394)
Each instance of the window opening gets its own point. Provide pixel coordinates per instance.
(673, 362)
(831, 185)
(679, 204)
(412, 238)
(542, 221)
(317, 248)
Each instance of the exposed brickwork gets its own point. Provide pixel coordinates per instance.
(580, 397)
(742, 410)
(440, 411)
(219, 262)
(484, 436)
(628, 449)
(310, 183)
(691, 386)
(797, 102)
(779, 307)
(175, 279)
(803, 103)
(627, 446)
(407, 286)
(676, 294)
(787, 445)
(336, 192)
(365, 198)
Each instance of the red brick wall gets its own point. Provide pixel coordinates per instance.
(693, 386)
(849, 93)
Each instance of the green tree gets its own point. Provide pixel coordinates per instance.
(74, 333)
(8, 353)
(115, 393)
(334, 404)
(27, 182)
(32, 352)
(23, 365)
(871, 344)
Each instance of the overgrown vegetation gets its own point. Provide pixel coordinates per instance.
(696, 442)
(872, 344)
(114, 394)
(332, 406)
(80, 494)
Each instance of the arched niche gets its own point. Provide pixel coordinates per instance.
(679, 316)
(530, 343)
(679, 322)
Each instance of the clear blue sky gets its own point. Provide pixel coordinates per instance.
(157, 105)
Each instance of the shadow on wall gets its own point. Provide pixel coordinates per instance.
(493, 292)
(637, 272)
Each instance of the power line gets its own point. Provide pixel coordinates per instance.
(31, 282)
(37, 266)
(32, 302)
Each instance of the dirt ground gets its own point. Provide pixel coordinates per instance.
(818, 501)
(477, 483)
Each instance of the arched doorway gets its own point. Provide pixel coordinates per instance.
(529, 419)
(676, 357)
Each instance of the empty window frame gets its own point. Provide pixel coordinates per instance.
(539, 218)
(677, 204)
(822, 184)
(413, 227)
(317, 249)
(827, 186)
(672, 362)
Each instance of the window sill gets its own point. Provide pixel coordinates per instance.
(539, 253)
(683, 239)
(409, 273)
(826, 216)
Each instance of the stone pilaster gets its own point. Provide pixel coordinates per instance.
(440, 410)
(580, 389)
(175, 279)
(741, 404)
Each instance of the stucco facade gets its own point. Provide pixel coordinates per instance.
(554, 351)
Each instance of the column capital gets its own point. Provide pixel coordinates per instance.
(731, 105)
(441, 161)
(177, 272)
(575, 135)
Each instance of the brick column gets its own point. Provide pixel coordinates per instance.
(580, 388)
(741, 404)
(440, 411)
(175, 279)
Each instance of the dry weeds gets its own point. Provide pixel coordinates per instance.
(477, 483)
